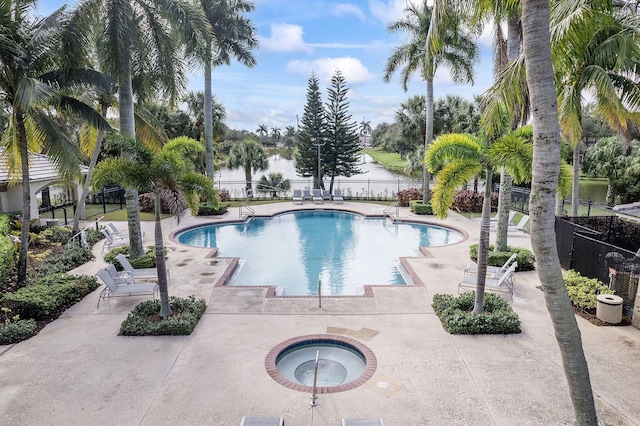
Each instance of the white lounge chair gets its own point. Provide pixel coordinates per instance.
(120, 278)
(262, 421)
(116, 232)
(337, 196)
(326, 195)
(139, 272)
(495, 271)
(113, 289)
(297, 196)
(494, 220)
(521, 226)
(362, 422)
(317, 196)
(110, 241)
(306, 194)
(502, 285)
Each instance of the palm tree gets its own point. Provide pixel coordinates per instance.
(232, 36)
(250, 155)
(139, 42)
(458, 158)
(32, 76)
(273, 183)
(437, 38)
(603, 61)
(607, 158)
(262, 130)
(546, 163)
(365, 130)
(411, 121)
(276, 133)
(172, 179)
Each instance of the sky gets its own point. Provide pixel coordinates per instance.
(299, 37)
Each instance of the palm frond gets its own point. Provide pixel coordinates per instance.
(452, 147)
(451, 177)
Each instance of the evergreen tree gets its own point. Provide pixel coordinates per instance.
(340, 152)
(311, 132)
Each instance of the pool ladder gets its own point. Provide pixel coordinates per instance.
(390, 207)
(252, 212)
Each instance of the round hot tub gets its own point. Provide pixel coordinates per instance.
(343, 363)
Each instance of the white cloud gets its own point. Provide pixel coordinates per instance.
(348, 9)
(352, 69)
(387, 11)
(286, 38)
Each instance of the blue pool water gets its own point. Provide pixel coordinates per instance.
(293, 250)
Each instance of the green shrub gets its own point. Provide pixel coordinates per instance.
(147, 260)
(418, 207)
(72, 257)
(144, 320)
(456, 316)
(54, 234)
(7, 258)
(17, 331)
(209, 210)
(6, 219)
(584, 291)
(51, 296)
(525, 258)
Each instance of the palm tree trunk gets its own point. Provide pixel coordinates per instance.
(26, 196)
(546, 165)
(208, 120)
(611, 196)
(81, 207)
(426, 176)
(161, 265)
(504, 206)
(247, 177)
(483, 245)
(506, 182)
(575, 189)
(128, 129)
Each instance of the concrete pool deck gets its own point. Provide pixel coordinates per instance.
(78, 371)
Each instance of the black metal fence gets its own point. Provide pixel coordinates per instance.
(603, 253)
(520, 202)
(107, 200)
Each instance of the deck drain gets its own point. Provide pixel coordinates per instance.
(383, 385)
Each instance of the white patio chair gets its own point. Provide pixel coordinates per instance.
(521, 226)
(113, 289)
(120, 278)
(502, 285)
(139, 272)
(337, 196)
(495, 271)
(297, 196)
(110, 241)
(317, 196)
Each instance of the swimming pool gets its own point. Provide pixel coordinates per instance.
(294, 250)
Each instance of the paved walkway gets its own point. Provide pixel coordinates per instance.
(78, 371)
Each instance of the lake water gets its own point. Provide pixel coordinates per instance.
(375, 181)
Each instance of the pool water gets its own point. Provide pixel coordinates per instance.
(294, 250)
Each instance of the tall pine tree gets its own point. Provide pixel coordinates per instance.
(311, 133)
(340, 152)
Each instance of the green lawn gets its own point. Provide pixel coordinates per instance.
(390, 160)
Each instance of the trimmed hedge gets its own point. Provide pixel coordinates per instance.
(584, 291)
(407, 195)
(525, 258)
(209, 210)
(457, 317)
(144, 320)
(50, 297)
(418, 207)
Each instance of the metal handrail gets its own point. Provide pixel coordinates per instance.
(85, 228)
(386, 211)
(246, 206)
